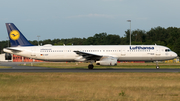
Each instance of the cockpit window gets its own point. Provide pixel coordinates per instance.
(167, 50)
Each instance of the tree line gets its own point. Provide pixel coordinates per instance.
(169, 37)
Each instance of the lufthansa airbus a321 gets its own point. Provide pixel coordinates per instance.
(101, 54)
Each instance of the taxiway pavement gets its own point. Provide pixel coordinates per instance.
(16, 68)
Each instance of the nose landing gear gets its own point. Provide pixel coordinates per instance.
(157, 67)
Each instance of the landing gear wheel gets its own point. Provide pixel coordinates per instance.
(157, 67)
(90, 66)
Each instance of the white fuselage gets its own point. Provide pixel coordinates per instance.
(121, 52)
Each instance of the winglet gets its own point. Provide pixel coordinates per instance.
(16, 37)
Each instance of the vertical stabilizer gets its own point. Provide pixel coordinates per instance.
(16, 37)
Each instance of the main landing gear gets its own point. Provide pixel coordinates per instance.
(90, 66)
(157, 67)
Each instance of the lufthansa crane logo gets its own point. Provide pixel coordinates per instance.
(14, 35)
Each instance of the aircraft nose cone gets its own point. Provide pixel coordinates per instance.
(174, 54)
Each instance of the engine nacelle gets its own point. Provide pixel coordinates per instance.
(107, 61)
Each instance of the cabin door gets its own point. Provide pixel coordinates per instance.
(123, 52)
(158, 53)
(33, 52)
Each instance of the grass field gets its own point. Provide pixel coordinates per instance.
(4, 67)
(119, 65)
(90, 86)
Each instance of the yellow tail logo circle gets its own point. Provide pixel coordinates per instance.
(14, 35)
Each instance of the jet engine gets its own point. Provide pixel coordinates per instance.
(107, 61)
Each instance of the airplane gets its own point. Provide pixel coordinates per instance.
(100, 54)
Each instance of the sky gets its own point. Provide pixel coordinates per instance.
(52, 19)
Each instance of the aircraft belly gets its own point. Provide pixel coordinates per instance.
(60, 57)
(164, 58)
(136, 59)
(24, 54)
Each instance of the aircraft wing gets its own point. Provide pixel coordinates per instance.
(89, 56)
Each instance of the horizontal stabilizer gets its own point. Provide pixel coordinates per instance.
(14, 50)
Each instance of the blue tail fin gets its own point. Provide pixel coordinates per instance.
(16, 37)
